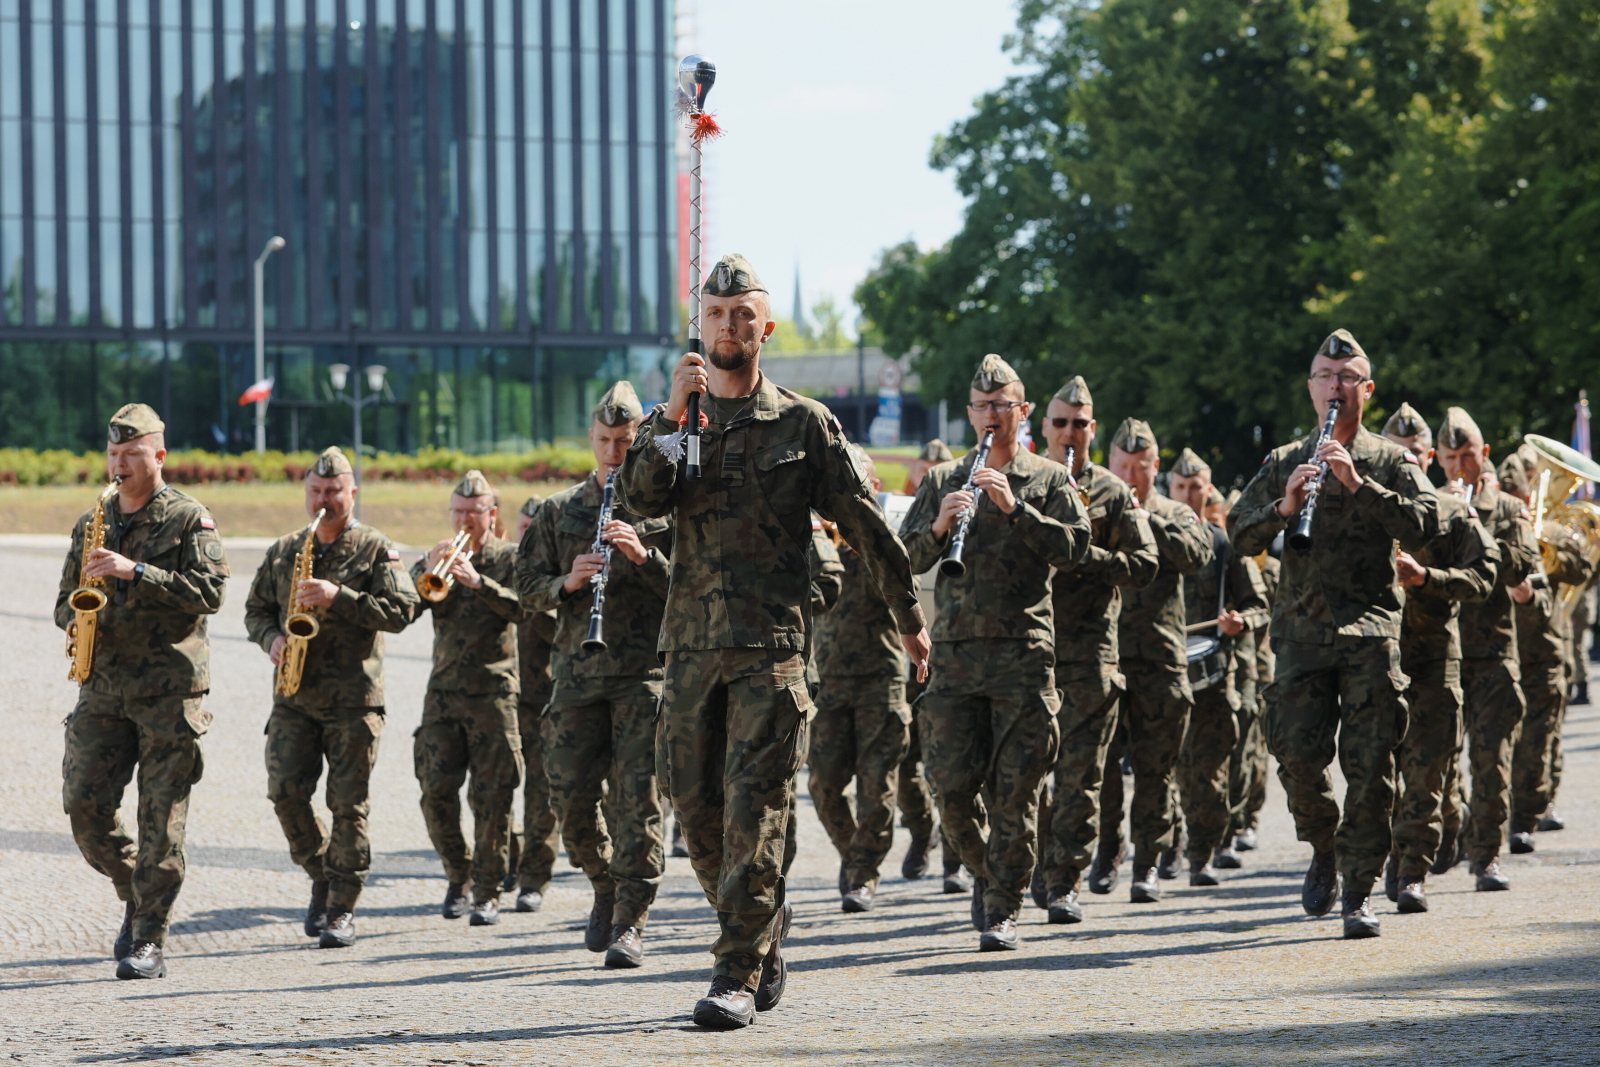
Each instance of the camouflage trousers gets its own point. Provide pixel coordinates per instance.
(1153, 715)
(1069, 819)
(1247, 769)
(733, 731)
(913, 790)
(1350, 692)
(862, 732)
(1492, 710)
(537, 842)
(989, 737)
(299, 739)
(107, 737)
(598, 731)
(474, 733)
(1533, 759)
(1203, 768)
(1432, 745)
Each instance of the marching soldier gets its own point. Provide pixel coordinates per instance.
(600, 724)
(469, 716)
(162, 570)
(1230, 595)
(536, 846)
(358, 591)
(1247, 769)
(1490, 672)
(735, 712)
(1152, 650)
(1337, 632)
(1086, 607)
(991, 703)
(1455, 567)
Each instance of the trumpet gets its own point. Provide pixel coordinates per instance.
(595, 641)
(301, 626)
(436, 583)
(952, 566)
(89, 599)
(1300, 540)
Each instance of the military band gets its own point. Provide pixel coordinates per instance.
(661, 637)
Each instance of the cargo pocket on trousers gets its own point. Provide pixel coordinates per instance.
(805, 711)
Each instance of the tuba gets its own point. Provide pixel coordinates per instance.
(436, 583)
(89, 599)
(1560, 470)
(301, 626)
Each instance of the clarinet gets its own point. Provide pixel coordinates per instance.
(951, 566)
(596, 641)
(1300, 540)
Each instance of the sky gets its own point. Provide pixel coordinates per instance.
(830, 108)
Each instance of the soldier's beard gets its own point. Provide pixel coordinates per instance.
(738, 359)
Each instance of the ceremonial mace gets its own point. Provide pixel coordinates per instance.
(696, 75)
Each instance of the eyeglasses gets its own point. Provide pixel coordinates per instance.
(1077, 424)
(1346, 377)
(998, 407)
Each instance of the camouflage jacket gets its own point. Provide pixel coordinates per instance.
(1087, 600)
(739, 575)
(1006, 590)
(636, 594)
(535, 633)
(1544, 630)
(1242, 590)
(1461, 564)
(826, 564)
(857, 637)
(1344, 584)
(344, 662)
(1488, 628)
(475, 630)
(1152, 626)
(152, 632)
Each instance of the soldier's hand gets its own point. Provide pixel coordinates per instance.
(1340, 465)
(950, 509)
(105, 563)
(998, 488)
(1231, 623)
(918, 646)
(689, 376)
(1294, 493)
(584, 567)
(1409, 570)
(276, 655)
(1522, 592)
(625, 539)
(1457, 487)
(438, 552)
(465, 573)
(318, 593)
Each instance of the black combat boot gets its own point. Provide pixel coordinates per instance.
(1065, 910)
(915, 865)
(529, 899)
(1359, 921)
(1146, 888)
(1226, 858)
(627, 947)
(341, 931)
(456, 901)
(1321, 885)
(774, 975)
(144, 960)
(1551, 820)
(485, 913)
(999, 934)
(730, 1005)
(597, 935)
(1107, 865)
(1491, 879)
(1521, 841)
(317, 910)
(1202, 873)
(124, 942)
(858, 900)
(1412, 899)
(1246, 840)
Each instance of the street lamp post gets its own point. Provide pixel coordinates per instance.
(339, 374)
(273, 245)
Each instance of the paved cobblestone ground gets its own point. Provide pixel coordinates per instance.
(1232, 975)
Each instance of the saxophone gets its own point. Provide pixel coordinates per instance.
(90, 598)
(301, 626)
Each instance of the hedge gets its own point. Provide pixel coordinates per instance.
(25, 466)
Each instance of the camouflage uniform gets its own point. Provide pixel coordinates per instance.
(1086, 605)
(337, 715)
(1247, 768)
(141, 704)
(600, 724)
(1213, 731)
(539, 838)
(991, 705)
(827, 582)
(735, 714)
(1152, 650)
(469, 716)
(1336, 634)
(1491, 676)
(1460, 564)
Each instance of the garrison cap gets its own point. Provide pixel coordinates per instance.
(732, 276)
(472, 484)
(936, 451)
(131, 421)
(531, 505)
(620, 405)
(993, 373)
(331, 463)
(1075, 392)
(1340, 345)
(1513, 475)
(1405, 422)
(1188, 464)
(1134, 435)
(1215, 497)
(1457, 429)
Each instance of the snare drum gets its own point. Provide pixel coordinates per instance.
(1208, 661)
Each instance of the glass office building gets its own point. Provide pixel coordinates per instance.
(477, 194)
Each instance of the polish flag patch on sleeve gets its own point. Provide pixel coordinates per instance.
(394, 555)
(207, 523)
(1413, 460)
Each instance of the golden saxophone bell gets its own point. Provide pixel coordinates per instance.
(301, 626)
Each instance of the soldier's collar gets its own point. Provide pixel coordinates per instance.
(593, 491)
(767, 399)
(1366, 444)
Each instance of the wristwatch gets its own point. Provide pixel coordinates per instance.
(138, 571)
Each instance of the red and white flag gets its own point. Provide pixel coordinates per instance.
(257, 392)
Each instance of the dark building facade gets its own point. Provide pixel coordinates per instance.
(477, 194)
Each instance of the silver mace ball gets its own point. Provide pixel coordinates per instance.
(696, 75)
